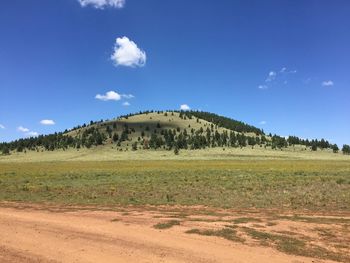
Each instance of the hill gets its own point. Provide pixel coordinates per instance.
(164, 130)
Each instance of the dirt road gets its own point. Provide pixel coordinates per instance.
(37, 234)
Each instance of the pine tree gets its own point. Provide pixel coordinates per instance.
(134, 146)
(346, 149)
(5, 151)
(115, 137)
(335, 148)
(233, 139)
(208, 136)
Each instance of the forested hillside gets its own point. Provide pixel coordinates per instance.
(167, 130)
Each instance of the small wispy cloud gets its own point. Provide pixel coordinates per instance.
(22, 129)
(101, 4)
(184, 107)
(272, 75)
(263, 87)
(286, 71)
(32, 134)
(47, 122)
(2, 126)
(327, 83)
(115, 96)
(127, 53)
(278, 76)
(110, 95)
(262, 122)
(27, 132)
(127, 96)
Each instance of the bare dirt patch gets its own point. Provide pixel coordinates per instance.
(43, 233)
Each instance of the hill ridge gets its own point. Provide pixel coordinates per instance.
(168, 130)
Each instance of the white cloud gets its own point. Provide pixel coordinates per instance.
(262, 122)
(327, 83)
(101, 4)
(47, 122)
(27, 132)
(277, 76)
(22, 129)
(262, 87)
(2, 126)
(127, 96)
(126, 103)
(284, 70)
(271, 77)
(127, 53)
(184, 107)
(110, 95)
(32, 134)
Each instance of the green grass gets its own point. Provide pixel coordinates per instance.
(281, 184)
(271, 224)
(227, 233)
(166, 225)
(244, 220)
(294, 246)
(326, 233)
(315, 219)
(176, 215)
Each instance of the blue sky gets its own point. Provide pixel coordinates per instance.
(283, 66)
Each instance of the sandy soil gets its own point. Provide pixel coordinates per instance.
(54, 234)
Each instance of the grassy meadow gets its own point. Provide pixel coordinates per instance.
(237, 183)
(111, 153)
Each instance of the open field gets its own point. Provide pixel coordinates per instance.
(283, 184)
(243, 209)
(110, 153)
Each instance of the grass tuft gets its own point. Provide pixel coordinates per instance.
(244, 220)
(294, 246)
(166, 225)
(271, 223)
(227, 233)
(316, 220)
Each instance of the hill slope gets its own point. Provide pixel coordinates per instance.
(167, 130)
(168, 126)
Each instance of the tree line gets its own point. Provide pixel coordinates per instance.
(171, 139)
